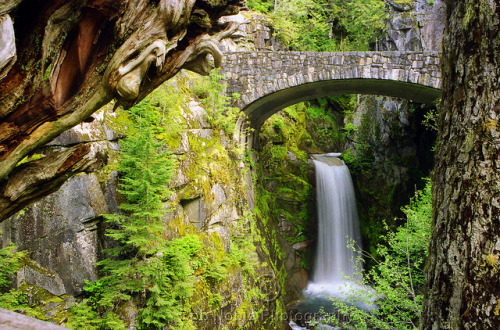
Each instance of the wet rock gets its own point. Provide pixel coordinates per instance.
(330, 161)
(301, 246)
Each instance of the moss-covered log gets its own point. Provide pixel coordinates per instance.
(72, 57)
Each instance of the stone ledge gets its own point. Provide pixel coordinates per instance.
(14, 321)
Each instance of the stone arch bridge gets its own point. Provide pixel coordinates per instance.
(270, 81)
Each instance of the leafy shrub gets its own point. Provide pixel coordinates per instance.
(397, 279)
(322, 25)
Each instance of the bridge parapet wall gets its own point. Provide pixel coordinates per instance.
(255, 75)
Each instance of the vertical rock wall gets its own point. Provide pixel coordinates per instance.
(390, 130)
(65, 232)
(61, 231)
(417, 28)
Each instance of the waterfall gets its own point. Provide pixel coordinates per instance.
(337, 223)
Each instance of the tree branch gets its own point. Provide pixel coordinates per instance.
(75, 56)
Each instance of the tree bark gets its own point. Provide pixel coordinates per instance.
(463, 289)
(73, 57)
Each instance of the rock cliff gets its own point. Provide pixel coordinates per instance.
(389, 133)
(213, 194)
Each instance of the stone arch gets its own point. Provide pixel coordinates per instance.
(270, 81)
(258, 111)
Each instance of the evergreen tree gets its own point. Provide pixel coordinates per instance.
(144, 265)
(147, 168)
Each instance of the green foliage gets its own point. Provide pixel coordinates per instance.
(359, 161)
(404, 2)
(263, 6)
(146, 170)
(358, 24)
(212, 95)
(157, 280)
(85, 316)
(11, 261)
(322, 25)
(324, 129)
(431, 119)
(241, 249)
(303, 25)
(143, 265)
(397, 279)
(17, 300)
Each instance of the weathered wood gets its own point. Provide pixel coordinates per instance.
(463, 289)
(33, 180)
(7, 45)
(8, 5)
(75, 56)
(15, 321)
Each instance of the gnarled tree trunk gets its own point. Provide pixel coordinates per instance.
(72, 57)
(463, 289)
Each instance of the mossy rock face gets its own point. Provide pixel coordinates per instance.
(210, 172)
(48, 306)
(387, 161)
(285, 201)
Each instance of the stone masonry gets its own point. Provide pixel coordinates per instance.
(270, 81)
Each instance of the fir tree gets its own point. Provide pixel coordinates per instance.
(146, 170)
(144, 265)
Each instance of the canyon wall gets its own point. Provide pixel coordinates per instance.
(213, 194)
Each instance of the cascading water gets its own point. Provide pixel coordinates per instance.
(337, 221)
(337, 224)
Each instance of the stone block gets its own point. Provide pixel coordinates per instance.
(321, 75)
(281, 84)
(36, 275)
(194, 211)
(355, 72)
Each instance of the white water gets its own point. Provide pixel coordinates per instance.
(337, 224)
